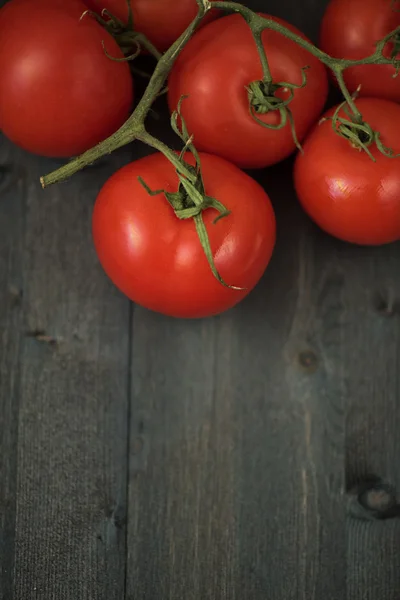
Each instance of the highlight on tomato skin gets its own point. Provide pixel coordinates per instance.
(157, 260)
(350, 29)
(340, 187)
(161, 21)
(215, 70)
(60, 94)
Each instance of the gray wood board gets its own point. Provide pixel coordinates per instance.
(65, 390)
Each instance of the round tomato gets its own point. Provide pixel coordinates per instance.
(350, 29)
(157, 260)
(59, 93)
(342, 189)
(161, 21)
(214, 70)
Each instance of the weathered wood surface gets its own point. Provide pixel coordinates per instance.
(64, 362)
(246, 457)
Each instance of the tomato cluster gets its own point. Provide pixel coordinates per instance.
(65, 87)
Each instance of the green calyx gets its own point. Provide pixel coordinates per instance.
(358, 132)
(191, 200)
(130, 41)
(263, 99)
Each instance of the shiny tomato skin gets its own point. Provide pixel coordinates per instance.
(161, 21)
(215, 68)
(59, 93)
(156, 259)
(342, 190)
(350, 29)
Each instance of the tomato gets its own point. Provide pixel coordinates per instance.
(214, 70)
(59, 93)
(342, 189)
(161, 21)
(350, 29)
(157, 260)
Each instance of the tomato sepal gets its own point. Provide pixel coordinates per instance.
(262, 100)
(358, 132)
(191, 200)
(124, 33)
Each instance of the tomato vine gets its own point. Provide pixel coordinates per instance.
(134, 127)
(262, 97)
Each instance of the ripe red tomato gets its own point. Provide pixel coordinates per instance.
(342, 189)
(350, 29)
(215, 68)
(157, 260)
(59, 93)
(161, 21)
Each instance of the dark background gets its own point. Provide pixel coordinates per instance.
(244, 457)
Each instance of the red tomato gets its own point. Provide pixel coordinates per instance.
(215, 68)
(59, 93)
(157, 260)
(161, 21)
(350, 29)
(342, 189)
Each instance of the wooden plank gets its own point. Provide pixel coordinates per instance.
(181, 461)
(373, 446)
(292, 417)
(12, 201)
(71, 490)
(11, 235)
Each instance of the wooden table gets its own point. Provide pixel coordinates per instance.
(245, 457)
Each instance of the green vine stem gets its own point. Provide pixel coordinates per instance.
(357, 116)
(257, 35)
(134, 127)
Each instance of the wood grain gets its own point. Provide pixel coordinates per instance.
(182, 528)
(372, 362)
(12, 203)
(292, 509)
(72, 431)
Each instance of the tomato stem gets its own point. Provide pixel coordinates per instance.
(157, 144)
(357, 116)
(257, 34)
